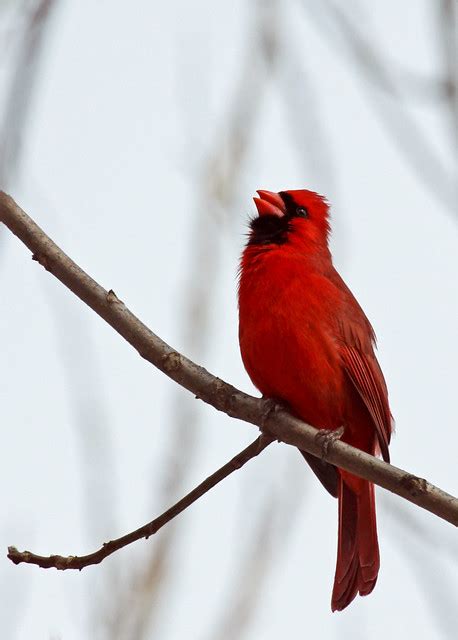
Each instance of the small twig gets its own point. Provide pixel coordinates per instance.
(79, 562)
(224, 397)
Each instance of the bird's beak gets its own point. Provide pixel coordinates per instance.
(269, 203)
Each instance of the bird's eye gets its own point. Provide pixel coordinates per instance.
(301, 212)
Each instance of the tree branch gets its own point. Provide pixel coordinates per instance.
(224, 397)
(79, 562)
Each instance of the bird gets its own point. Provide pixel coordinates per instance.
(305, 342)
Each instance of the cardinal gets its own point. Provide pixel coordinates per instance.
(306, 342)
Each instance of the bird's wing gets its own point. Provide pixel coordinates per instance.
(367, 377)
(357, 340)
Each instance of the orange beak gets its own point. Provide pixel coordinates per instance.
(269, 203)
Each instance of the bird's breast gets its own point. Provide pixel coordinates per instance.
(287, 341)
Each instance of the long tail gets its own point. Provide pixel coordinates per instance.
(358, 559)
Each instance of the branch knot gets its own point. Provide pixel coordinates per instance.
(414, 485)
(171, 361)
(42, 259)
(112, 297)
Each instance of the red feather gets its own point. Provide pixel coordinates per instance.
(305, 341)
(367, 377)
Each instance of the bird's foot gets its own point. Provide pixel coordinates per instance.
(326, 438)
(271, 407)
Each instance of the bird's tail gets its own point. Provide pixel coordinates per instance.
(358, 559)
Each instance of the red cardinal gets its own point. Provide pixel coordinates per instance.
(305, 341)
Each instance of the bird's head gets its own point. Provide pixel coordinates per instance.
(300, 215)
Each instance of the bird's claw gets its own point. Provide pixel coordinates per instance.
(326, 438)
(271, 406)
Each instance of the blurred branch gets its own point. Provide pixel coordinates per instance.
(255, 561)
(258, 69)
(240, 604)
(79, 562)
(448, 39)
(436, 583)
(414, 527)
(383, 72)
(403, 128)
(89, 413)
(24, 77)
(433, 574)
(136, 611)
(268, 541)
(270, 418)
(304, 115)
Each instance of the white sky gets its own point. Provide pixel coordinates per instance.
(131, 101)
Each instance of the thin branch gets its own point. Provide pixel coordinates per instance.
(272, 419)
(79, 562)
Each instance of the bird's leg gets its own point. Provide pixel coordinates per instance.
(271, 406)
(326, 438)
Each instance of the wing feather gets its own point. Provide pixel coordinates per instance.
(366, 375)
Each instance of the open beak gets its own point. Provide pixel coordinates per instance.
(269, 203)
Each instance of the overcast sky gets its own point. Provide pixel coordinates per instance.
(152, 125)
